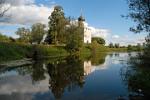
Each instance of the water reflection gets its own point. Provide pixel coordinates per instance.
(70, 78)
(137, 78)
(68, 73)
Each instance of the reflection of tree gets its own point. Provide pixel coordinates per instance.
(117, 54)
(22, 70)
(98, 58)
(68, 73)
(111, 55)
(38, 71)
(138, 81)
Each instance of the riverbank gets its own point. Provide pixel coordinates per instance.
(17, 51)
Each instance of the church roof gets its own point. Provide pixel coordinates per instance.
(81, 18)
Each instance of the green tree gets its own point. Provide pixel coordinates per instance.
(57, 25)
(99, 40)
(74, 39)
(4, 38)
(116, 45)
(130, 47)
(140, 13)
(24, 34)
(139, 47)
(111, 45)
(37, 32)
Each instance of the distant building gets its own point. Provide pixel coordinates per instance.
(87, 31)
(87, 36)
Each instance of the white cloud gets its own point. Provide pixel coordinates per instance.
(97, 32)
(29, 14)
(19, 2)
(22, 84)
(26, 12)
(115, 36)
(132, 39)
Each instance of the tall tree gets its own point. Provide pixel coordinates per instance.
(57, 25)
(24, 34)
(111, 45)
(37, 32)
(74, 39)
(140, 13)
(116, 45)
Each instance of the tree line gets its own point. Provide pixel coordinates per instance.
(61, 31)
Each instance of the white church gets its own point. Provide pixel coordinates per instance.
(90, 32)
(87, 31)
(87, 35)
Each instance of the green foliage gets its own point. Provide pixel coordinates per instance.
(24, 34)
(145, 57)
(140, 13)
(57, 25)
(129, 47)
(4, 38)
(65, 73)
(139, 47)
(97, 48)
(50, 51)
(37, 33)
(13, 51)
(136, 76)
(48, 39)
(74, 39)
(99, 40)
(116, 45)
(98, 58)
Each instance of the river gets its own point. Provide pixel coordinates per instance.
(101, 77)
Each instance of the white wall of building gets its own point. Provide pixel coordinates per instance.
(87, 35)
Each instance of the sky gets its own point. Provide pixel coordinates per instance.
(104, 16)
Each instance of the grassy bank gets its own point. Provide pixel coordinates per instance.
(46, 51)
(15, 51)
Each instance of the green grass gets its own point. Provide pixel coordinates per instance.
(51, 51)
(13, 51)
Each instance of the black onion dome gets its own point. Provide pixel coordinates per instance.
(81, 18)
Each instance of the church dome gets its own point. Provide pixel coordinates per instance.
(81, 18)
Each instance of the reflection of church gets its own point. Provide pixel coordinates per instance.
(89, 68)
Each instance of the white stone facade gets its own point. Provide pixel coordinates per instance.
(87, 35)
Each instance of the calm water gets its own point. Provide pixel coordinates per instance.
(71, 78)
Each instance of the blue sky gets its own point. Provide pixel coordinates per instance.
(100, 14)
